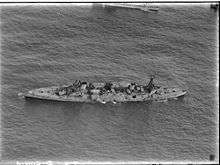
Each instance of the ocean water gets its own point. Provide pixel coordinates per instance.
(45, 45)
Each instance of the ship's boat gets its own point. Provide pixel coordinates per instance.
(105, 92)
(138, 6)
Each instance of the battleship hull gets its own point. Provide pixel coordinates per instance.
(160, 94)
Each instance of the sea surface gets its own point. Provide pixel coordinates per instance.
(46, 45)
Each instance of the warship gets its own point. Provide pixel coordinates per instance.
(114, 92)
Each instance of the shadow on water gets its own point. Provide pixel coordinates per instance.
(35, 107)
(99, 7)
(73, 109)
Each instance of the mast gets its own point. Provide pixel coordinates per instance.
(150, 85)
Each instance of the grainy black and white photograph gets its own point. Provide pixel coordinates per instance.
(109, 82)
